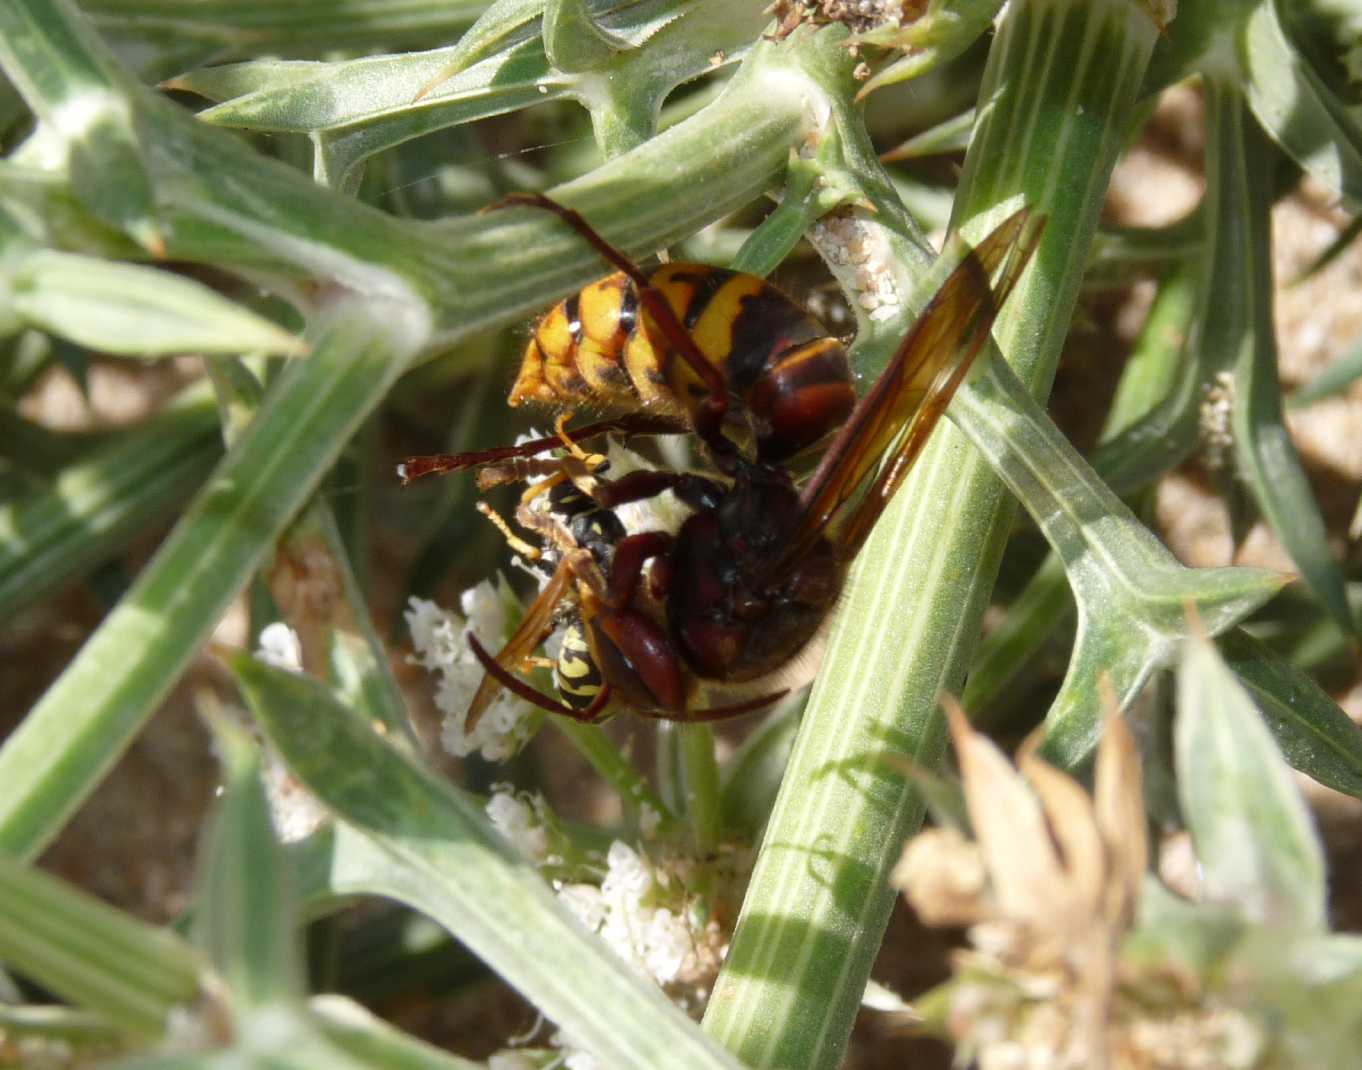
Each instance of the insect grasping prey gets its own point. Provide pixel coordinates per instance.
(726, 603)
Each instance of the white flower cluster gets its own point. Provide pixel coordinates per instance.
(438, 637)
(641, 909)
(657, 941)
(680, 954)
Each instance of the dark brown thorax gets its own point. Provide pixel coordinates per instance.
(730, 619)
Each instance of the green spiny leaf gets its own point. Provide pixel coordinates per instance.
(1256, 844)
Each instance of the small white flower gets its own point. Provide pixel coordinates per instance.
(666, 945)
(627, 878)
(586, 903)
(484, 607)
(518, 822)
(280, 647)
(295, 811)
(433, 634)
(649, 818)
(500, 733)
(439, 640)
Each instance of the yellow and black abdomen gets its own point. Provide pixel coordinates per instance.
(576, 354)
(575, 673)
(598, 348)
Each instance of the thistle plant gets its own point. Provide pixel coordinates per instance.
(292, 194)
(1080, 957)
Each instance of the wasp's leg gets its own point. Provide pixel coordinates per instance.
(592, 462)
(736, 709)
(521, 689)
(696, 491)
(626, 567)
(635, 652)
(514, 541)
(709, 419)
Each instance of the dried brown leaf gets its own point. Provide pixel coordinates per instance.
(1023, 865)
(1118, 799)
(1074, 825)
(942, 875)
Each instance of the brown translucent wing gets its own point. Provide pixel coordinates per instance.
(898, 414)
(534, 628)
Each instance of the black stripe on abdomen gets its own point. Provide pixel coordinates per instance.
(769, 323)
(572, 310)
(703, 288)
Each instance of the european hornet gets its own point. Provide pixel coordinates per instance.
(758, 346)
(730, 599)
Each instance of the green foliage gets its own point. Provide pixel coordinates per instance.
(310, 234)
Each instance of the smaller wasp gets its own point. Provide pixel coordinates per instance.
(605, 627)
(730, 599)
(583, 536)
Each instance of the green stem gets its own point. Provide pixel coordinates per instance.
(80, 726)
(1061, 82)
(616, 770)
(702, 787)
(96, 505)
(94, 956)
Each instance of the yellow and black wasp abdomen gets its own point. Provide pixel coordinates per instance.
(598, 348)
(575, 673)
